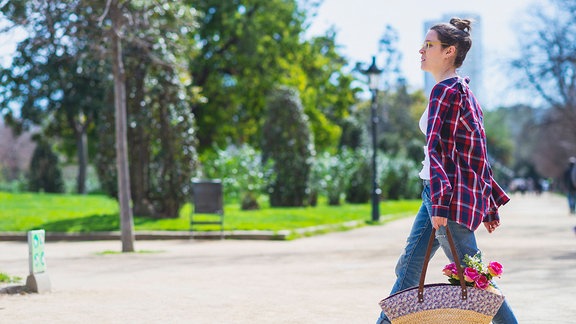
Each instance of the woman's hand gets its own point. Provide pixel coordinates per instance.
(491, 226)
(438, 221)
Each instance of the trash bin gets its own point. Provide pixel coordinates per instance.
(208, 201)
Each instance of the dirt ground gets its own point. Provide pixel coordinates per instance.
(332, 278)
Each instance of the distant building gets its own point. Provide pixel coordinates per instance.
(472, 66)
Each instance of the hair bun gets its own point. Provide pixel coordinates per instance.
(462, 24)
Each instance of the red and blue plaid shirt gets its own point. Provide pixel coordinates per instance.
(462, 188)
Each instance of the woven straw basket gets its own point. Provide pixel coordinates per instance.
(442, 303)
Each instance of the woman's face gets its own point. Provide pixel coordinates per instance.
(432, 56)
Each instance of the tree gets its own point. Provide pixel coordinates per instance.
(388, 52)
(547, 65)
(62, 80)
(161, 133)
(399, 133)
(56, 79)
(510, 139)
(45, 173)
(247, 48)
(287, 141)
(124, 196)
(326, 91)
(398, 110)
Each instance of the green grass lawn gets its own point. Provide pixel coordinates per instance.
(89, 213)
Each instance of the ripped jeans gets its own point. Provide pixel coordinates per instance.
(409, 265)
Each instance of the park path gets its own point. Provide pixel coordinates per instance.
(332, 278)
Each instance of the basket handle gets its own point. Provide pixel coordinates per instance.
(427, 260)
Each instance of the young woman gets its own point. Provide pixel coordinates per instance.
(459, 191)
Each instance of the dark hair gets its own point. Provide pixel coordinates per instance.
(456, 33)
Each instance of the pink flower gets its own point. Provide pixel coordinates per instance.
(471, 274)
(475, 274)
(451, 271)
(482, 282)
(495, 269)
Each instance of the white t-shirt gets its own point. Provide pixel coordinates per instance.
(423, 123)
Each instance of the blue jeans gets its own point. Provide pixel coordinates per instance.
(572, 200)
(409, 265)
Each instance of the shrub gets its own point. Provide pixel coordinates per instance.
(398, 177)
(17, 184)
(45, 173)
(287, 140)
(330, 174)
(360, 185)
(243, 174)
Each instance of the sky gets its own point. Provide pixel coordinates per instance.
(361, 23)
(8, 41)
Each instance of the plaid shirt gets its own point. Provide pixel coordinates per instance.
(462, 188)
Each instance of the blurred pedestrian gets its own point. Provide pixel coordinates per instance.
(459, 190)
(570, 183)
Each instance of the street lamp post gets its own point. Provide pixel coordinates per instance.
(373, 73)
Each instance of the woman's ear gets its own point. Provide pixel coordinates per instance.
(450, 51)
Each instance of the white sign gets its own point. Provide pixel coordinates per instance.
(37, 258)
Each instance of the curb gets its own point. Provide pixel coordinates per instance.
(147, 235)
(282, 235)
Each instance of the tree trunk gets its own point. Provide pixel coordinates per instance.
(82, 147)
(126, 221)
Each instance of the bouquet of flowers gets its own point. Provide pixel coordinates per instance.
(476, 274)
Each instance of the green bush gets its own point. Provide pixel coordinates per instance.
(244, 176)
(398, 177)
(45, 173)
(287, 140)
(18, 184)
(330, 174)
(359, 187)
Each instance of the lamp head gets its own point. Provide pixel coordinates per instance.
(373, 74)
